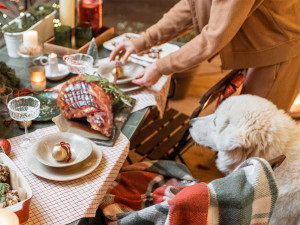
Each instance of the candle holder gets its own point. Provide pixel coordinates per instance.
(38, 78)
(63, 35)
(31, 47)
(83, 34)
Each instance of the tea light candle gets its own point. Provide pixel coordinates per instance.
(38, 78)
(8, 217)
(30, 38)
(53, 64)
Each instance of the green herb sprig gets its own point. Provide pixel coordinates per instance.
(109, 87)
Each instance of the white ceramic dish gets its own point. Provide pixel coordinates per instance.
(21, 208)
(66, 173)
(166, 48)
(130, 71)
(81, 148)
(63, 72)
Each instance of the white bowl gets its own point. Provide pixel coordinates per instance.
(80, 147)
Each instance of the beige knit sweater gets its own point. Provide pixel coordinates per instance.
(246, 33)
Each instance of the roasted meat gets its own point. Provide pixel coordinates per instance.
(78, 99)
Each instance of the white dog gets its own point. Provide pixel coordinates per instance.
(245, 126)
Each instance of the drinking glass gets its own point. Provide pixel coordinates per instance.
(24, 109)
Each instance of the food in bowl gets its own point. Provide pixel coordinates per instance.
(8, 196)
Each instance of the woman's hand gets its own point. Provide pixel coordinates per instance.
(124, 49)
(148, 77)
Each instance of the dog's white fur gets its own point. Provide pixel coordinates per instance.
(245, 126)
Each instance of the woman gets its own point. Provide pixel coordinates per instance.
(260, 35)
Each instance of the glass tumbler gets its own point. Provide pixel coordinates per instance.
(83, 33)
(63, 36)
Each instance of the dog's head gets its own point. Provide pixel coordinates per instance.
(243, 126)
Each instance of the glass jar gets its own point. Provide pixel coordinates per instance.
(91, 11)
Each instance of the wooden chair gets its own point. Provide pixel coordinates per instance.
(168, 137)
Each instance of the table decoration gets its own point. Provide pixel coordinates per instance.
(38, 78)
(47, 149)
(63, 36)
(8, 77)
(83, 34)
(67, 12)
(5, 146)
(30, 46)
(24, 109)
(105, 34)
(36, 18)
(91, 11)
(48, 106)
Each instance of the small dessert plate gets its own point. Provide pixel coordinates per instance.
(130, 71)
(63, 71)
(81, 148)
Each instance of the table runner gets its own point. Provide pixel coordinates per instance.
(56, 202)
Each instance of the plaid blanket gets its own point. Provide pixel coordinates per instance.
(164, 192)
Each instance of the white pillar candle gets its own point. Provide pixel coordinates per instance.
(38, 78)
(30, 38)
(67, 12)
(8, 217)
(53, 64)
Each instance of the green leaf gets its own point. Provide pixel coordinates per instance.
(109, 87)
(2, 19)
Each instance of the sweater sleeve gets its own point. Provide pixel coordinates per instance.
(178, 19)
(226, 18)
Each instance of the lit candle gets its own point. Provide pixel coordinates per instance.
(67, 12)
(30, 38)
(53, 64)
(8, 217)
(38, 78)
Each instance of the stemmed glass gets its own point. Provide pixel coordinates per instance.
(24, 109)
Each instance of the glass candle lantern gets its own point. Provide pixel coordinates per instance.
(91, 11)
(83, 33)
(63, 35)
(38, 78)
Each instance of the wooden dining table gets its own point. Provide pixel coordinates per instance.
(11, 132)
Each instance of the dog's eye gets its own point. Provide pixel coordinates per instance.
(214, 121)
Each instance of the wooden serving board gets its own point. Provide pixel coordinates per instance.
(106, 34)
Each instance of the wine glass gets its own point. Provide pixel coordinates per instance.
(24, 109)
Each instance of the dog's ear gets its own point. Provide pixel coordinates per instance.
(231, 138)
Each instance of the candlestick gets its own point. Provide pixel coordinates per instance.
(8, 217)
(53, 64)
(38, 78)
(30, 38)
(67, 12)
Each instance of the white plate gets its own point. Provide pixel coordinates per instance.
(63, 72)
(166, 48)
(80, 147)
(66, 173)
(130, 71)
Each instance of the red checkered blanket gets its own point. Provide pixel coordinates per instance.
(164, 192)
